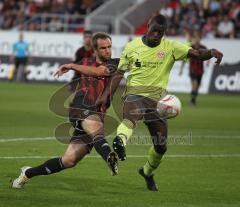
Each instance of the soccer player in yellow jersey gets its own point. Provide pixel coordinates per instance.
(149, 59)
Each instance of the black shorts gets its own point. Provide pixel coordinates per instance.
(80, 136)
(76, 116)
(196, 77)
(20, 61)
(138, 107)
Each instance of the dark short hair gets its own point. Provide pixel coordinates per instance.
(99, 35)
(89, 32)
(158, 19)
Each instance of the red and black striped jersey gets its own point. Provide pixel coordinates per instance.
(89, 88)
(196, 66)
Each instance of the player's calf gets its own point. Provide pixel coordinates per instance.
(160, 149)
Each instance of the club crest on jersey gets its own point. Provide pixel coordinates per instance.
(161, 54)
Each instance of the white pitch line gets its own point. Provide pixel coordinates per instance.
(170, 137)
(26, 139)
(132, 156)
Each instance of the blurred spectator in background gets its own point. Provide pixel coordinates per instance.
(70, 7)
(174, 26)
(87, 6)
(206, 15)
(55, 24)
(166, 11)
(209, 28)
(237, 25)
(225, 28)
(85, 51)
(214, 7)
(20, 59)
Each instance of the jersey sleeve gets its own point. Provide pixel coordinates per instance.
(180, 50)
(124, 61)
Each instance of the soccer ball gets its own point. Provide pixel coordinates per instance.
(169, 106)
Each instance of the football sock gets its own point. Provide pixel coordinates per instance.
(101, 146)
(153, 162)
(49, 167)
(193, 97)
(125, 130)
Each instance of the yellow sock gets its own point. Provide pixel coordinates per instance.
(125, 130)
(153, 162)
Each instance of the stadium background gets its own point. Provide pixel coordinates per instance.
(201, 167)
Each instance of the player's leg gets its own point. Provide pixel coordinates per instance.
(93, 125)
(25, 72)
(198, 80)
(158, 132)
(194, 91)
(74, 153)
(131, 114)
(157, 128)
(16, 66)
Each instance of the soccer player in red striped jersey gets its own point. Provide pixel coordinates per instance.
(86, 51)
(87, 122)
(196, 68)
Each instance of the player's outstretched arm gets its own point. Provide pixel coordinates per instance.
(86, 70)
(203, 54)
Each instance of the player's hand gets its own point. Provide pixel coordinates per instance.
(101, 103)
(61, 70)
(218, 55)
(103, 71)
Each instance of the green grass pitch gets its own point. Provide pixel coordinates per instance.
(201, 167)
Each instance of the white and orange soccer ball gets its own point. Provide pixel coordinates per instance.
(169, 106)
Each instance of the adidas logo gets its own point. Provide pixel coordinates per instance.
(230, 83)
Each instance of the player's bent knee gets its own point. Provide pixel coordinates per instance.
(160, 149)
(69, 162)
(92, 126)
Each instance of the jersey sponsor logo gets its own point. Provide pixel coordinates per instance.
(161, 54)
(138, 64)
(151, 64)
